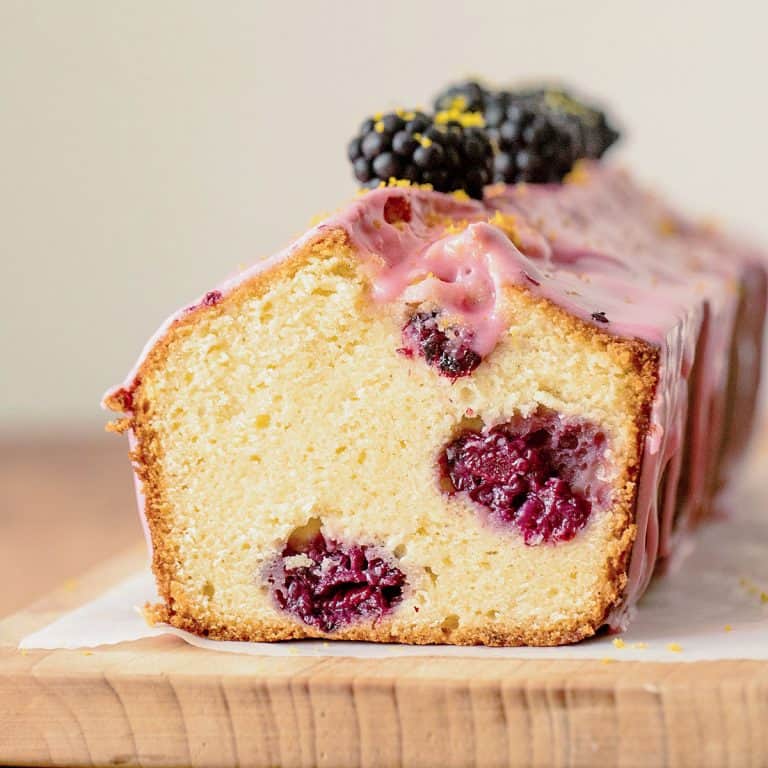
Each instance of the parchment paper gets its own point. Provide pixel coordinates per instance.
(713, 604)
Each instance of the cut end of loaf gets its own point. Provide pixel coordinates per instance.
(295, 401)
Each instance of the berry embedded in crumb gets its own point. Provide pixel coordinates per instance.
(327, 585)
(446, 348)
(527, 475)
(414, 146)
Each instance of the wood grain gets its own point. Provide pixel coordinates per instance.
(160, 702)
(65, 504)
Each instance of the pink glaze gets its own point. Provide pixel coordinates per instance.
(605, 251)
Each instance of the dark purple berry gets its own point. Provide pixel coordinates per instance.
(468, 96)
(386, 166)
(374, 143)
(529, 474)
(413, 146)
(447, 349)
(538, 133)
(337, 584)
(362, 169)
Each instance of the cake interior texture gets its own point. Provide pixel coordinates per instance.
(312, 466)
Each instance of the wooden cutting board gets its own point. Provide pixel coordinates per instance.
(162, 702)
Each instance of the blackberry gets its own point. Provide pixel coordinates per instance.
(597, 133)
(468, 96)
(538, 133)
(445, 153)
(533, 142)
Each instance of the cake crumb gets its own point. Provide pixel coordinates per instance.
(640, 646)
(607, 660)
(674, 647)
(618, 643)
(87, 653)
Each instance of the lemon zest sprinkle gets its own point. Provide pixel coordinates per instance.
(465, 119)
(674, 647)
(579, 174)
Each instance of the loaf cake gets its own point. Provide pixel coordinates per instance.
(468, 417)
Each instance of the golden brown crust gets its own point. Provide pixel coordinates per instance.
(180, 611)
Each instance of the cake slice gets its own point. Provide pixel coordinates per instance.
(437, 419)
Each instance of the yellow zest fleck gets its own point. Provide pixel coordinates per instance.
(460, 195)
(378, 126)
(318, 217)
(675, 647)
(754, 590)
(425, 141)
(87, 653)
(378, 116)
(728, 628)
(579, 174)
(618, 643)
(640, 646)
(507, 223)
(401, 183)
(456, 227)
(458, 103)
(465, 119)
(607, 660)
(405, 114)
(377, 224)
(667, 227)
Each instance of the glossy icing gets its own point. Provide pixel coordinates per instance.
(605, 251)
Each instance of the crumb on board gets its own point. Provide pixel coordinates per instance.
(607, 660)
(674, 647)
(618, 643)
(640, 646)
(728, 628)
(751, 588)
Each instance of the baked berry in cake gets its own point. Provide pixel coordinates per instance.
(454, 411)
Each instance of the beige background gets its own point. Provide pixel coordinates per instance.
(146, 148)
